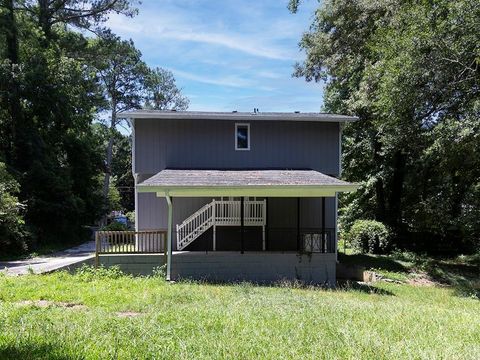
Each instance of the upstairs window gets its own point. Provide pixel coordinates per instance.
(242, 136)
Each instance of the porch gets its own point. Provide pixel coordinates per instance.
(172, 184)
(250, 258)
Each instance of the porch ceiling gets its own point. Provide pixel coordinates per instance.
(268, 183)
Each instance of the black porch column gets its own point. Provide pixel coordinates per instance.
(299, 245)
(324, 247)
(266, 225)
(242, 224)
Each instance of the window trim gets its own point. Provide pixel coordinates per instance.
(237, 125)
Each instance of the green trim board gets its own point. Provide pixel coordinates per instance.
(270, 191)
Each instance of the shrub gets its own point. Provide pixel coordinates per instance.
(89, 273)
(131, 218)
(115, 226)
(159, 271)
(369, 236)
(14, 235)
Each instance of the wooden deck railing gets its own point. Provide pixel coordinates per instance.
(130, 242)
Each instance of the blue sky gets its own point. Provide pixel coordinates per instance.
(227, 55)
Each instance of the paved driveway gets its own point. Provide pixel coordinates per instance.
(55, 261)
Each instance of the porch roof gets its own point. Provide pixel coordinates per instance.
(274, 183)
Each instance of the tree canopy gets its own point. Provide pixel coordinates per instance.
(55, 84)
(410, 72)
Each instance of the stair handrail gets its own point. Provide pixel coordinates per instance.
(205, 223)
(181, 238)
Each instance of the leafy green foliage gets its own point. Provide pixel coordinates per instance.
(127, 83)
(115, 226)
(114, 198)
(89, 273)
(131, 217)
(162, 92)
(54, 84)
(368, 236)
(409, 71)
(47, 104)
(13, 233)
(159, 272)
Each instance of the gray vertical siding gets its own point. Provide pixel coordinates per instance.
(177, 143)
(210, 144)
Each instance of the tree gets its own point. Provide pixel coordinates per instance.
(48, 99)
(162, 93)
(122, 177)
(121, 74)
(13, 234)
(85, 14)
(410, 71)
(129, 84)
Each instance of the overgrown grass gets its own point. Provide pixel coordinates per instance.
(146, 318)
(461, 273)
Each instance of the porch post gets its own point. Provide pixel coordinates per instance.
(264, 211)
(242, 224)
(214, 216)
(299, 246)
(324, 240)
(266, 229)
(169, 236)
(335, 235)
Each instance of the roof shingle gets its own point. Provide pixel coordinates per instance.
(243, 178)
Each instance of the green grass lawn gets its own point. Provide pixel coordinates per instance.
(146, 318)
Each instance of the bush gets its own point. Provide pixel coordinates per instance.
(89, 273)
(159, 271)
(115, 226)
(369, 236)
(14, 235)
(131, 218)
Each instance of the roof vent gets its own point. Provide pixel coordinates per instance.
(297, 112)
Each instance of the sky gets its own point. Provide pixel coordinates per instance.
(227, 55)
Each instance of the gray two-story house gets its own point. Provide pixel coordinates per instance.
(248, 196)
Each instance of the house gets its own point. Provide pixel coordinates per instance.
(243, 195)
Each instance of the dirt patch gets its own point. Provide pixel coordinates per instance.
(128, 314)
(49, 303)
(421, 279)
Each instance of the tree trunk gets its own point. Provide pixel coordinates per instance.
(108, 159)
(396, 190)
(379, 188)
(44, 19)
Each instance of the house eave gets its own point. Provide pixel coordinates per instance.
(237, 116)
(258, 191)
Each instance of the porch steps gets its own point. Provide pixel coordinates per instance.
(219, 213)
(194, 226)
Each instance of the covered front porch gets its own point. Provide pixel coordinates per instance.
(250, 194)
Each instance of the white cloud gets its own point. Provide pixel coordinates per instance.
(247, 45)
(232, 81)
(259, 40)
(270, 74)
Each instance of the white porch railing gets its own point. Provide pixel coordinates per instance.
(220, 213)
